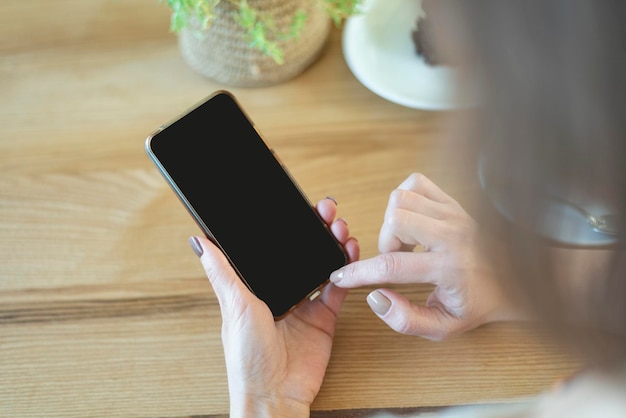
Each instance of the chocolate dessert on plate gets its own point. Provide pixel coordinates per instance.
(422, 37)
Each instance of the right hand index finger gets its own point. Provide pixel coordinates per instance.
(395, 267)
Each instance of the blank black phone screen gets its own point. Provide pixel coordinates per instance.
(249, 204)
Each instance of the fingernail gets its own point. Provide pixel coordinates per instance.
(378, 302)
(195, 246)
(336, 276)
(332, 198)
(342, 220)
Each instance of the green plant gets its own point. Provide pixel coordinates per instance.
(260, 30)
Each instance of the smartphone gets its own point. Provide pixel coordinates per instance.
(245, 201)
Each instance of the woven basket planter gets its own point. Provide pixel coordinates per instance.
(223, 54)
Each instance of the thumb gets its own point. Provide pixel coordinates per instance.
(431, 322)
(231, 291)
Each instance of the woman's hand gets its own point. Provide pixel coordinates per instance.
(274, 368)
(466, 293)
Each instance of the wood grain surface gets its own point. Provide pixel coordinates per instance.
(104, 309)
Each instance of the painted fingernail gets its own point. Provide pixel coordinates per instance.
(195, 246)
(336, 276)
(332, 198)
(378, 302)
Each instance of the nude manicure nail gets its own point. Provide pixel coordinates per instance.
(336, 276)
(378, 302)
(332, 198)
(195, 246)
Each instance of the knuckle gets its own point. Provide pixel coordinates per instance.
(395, 220)
(395, 198)
(405, 324)
(408, 322)
(416, 177)
(404, 327)
(387, 265)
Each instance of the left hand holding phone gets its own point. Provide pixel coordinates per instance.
(275, 368)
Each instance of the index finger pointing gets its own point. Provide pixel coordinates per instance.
(395, 267)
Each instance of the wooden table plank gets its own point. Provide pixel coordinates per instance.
(104, 309)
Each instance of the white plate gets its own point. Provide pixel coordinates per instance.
(554, 218)
(379, 49)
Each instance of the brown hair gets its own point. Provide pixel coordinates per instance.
(552, 119)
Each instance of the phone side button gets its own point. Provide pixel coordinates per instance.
(315, 295)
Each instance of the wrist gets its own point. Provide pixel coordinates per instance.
(248, 406)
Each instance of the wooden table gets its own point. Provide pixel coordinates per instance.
(104, 309)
